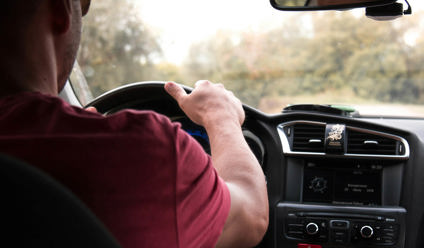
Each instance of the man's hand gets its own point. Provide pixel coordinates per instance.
(222, 115)
(208, 104)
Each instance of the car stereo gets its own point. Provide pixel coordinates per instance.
(341, 203)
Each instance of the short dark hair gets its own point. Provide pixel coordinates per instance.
(10, 8)
(18, 11)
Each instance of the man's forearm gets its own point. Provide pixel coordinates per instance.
(239, 168)
(231, 155)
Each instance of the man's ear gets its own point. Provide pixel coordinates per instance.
(61, 15)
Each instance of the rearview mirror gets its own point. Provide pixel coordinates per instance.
(326, 4)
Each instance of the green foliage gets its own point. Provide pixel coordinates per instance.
(116, 47)
(337, 52)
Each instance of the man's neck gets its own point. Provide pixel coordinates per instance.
(9, 87)
(25, 70)
(28, 60)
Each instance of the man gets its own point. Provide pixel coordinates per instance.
(146, 179)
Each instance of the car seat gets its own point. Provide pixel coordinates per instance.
(37, 211)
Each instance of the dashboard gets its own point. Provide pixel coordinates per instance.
(333, 180)
(195, 131)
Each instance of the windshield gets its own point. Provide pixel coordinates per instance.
(268, 58)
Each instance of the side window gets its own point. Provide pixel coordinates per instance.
(80, 86)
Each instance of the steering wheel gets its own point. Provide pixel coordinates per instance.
(148, 95)
(151, 95)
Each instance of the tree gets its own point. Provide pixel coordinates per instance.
(116, 47)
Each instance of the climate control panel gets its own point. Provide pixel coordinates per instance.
(339, 232)
(340, 226)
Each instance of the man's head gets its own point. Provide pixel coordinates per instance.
(31, 6)
(41, 40)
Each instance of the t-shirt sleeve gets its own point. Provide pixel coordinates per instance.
(202, 197)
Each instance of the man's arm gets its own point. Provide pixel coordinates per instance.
(221, 114)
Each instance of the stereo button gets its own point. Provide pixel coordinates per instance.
(339, 236)
(388, 240)
(366, 232)
(312, 228)
(339, 224)
(296, 235)
(295, 227)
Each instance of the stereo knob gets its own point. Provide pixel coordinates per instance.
(366, 232)
(312, 228)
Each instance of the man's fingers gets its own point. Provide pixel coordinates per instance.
(176, 91)
(91, 109)
(200, 82)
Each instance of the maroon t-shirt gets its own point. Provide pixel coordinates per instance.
(149, 182)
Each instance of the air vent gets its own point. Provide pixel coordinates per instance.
(367, 143)
(308, 138)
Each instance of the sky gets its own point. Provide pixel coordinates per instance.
(204, 19)
(178, 28)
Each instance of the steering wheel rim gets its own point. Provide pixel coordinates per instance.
(146, 95)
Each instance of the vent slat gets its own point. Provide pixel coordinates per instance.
(384, 145)
(303, 133)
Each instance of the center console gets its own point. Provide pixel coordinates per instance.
(334, 198)
(341, 203)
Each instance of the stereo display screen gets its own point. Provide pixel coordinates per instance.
(346, 186)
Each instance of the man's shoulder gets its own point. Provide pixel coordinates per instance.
(52, 115)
